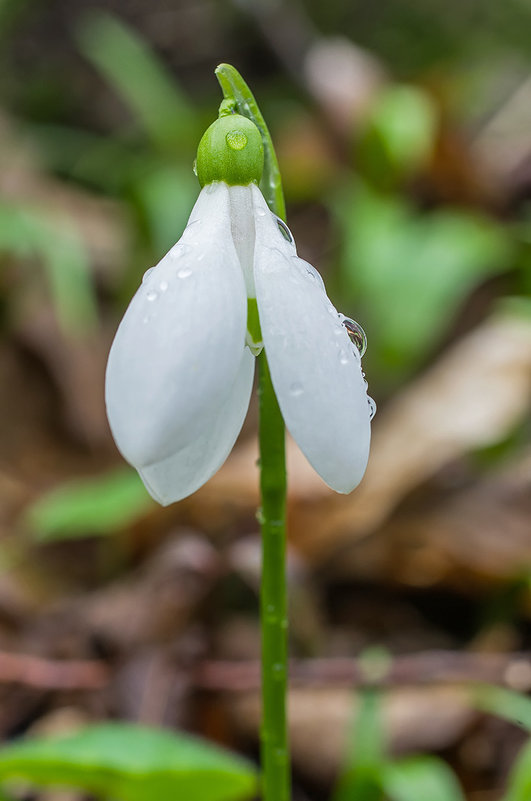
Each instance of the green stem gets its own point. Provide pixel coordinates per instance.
(273, 594)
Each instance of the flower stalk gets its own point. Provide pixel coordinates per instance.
(276, 780)
(273, 595)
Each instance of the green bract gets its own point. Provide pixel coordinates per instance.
(231, 150)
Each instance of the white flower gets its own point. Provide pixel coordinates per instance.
(180, 374)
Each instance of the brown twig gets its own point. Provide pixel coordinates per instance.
(431, 667)
(51, 674)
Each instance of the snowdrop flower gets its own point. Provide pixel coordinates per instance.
(180, 370)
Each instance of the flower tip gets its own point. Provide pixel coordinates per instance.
(161, 498)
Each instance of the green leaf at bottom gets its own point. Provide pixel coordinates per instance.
(126, 762)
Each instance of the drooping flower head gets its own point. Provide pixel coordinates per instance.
(180, 370)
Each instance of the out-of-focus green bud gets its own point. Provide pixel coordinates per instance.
(231, 150)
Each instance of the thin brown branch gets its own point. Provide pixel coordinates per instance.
(431, 667)
(51, 674)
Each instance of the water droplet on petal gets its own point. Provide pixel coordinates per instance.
(309, 272)
(163, 286)
(260, 212)
(147, 274)
(356, 334)
(284, 230)
(184, 273)
(296, 389)
(343, 356)
(151, 296)
(180, 249)
(372, 407)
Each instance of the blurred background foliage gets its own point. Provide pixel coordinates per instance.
(402, 129)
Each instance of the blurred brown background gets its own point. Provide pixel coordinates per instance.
(402, 130)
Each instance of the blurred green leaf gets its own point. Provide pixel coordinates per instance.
(166, 196)
(503, 703)
(398, 136)
(361, 776)
(131, 763)
(519, 782)
(25, 233)
(408, 272)
(141, 80)
(423, 778)
(101, 161)
(88, 507)
(67, 266)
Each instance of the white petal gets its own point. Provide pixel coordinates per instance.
(242, 226)
(179, 347)
(315, 369)
(184, 472)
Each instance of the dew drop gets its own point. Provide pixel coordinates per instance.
(236, 140)
(260, 212)
(184, 273)
(151, 296)
(309, 272)
(296, 389)
(343, 357)
(284, 230)
(147, 274)
(356, 334)
(163, 286)
(180, 249)
(372, 407)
